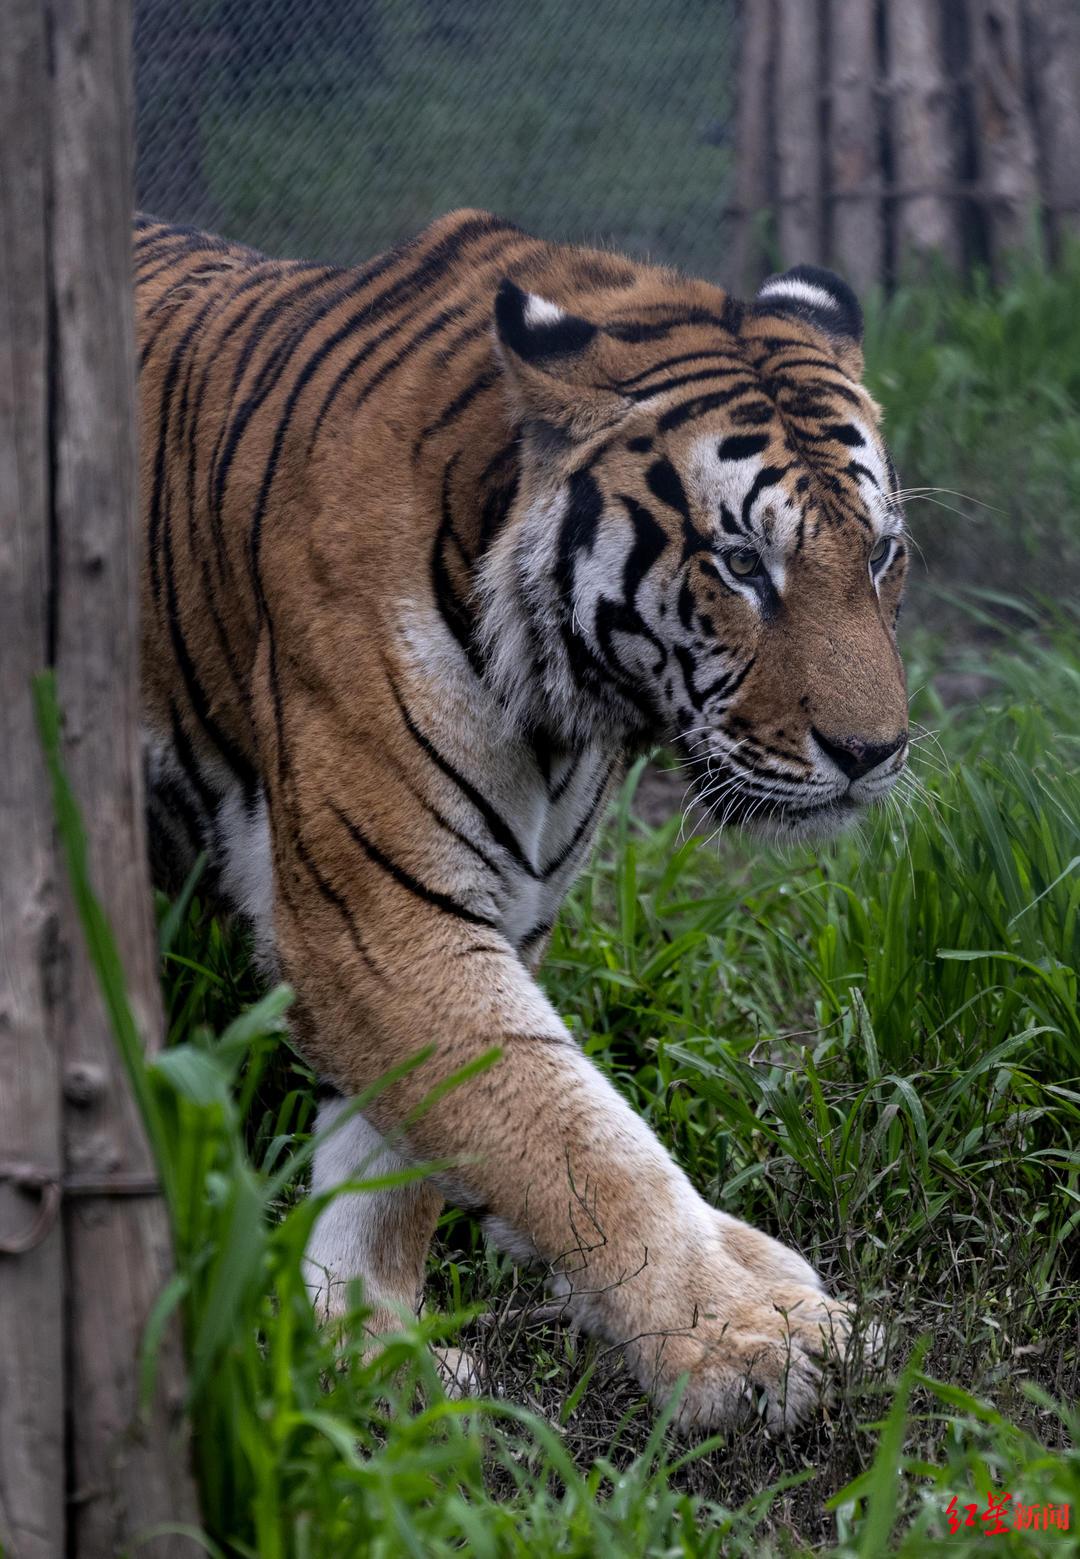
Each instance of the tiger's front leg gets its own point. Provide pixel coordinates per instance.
(553, 1161)
(380, 1236)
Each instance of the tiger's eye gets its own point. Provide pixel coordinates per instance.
(744, 563)
(880, 551)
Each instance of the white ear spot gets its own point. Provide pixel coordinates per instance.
(538, 311)
(795, 290)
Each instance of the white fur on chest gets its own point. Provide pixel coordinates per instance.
(544, 814)
(533, 902)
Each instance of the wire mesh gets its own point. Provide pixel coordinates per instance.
(330, 129)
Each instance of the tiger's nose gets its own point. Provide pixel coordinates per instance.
(855, 758)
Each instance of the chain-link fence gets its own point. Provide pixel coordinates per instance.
(329, 129)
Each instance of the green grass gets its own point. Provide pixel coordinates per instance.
(872, 1051)
(981, 392)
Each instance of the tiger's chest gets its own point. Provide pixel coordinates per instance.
(555, 811)
(463, 817)
(530, 818)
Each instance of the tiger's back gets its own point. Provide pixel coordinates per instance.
(257, 376)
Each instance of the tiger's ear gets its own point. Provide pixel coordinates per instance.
(551, 361)
(823, 300)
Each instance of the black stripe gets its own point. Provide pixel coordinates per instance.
(159, 533)
(217, 533)
(457, 343)
(461, 402)
(362, 317)
(405, 879)
(146, 277)
(741, 446)
(360, 357)
(665, 483)
(276, 303)
(277, 360)
(578, 531)
(500, 831)
(753, 415)
(855, 468)
(650, 541)
(160, 528)
(333, 897)
(155, 335)
(826, 387)
(808, 360)
(725, 685)
(702, 354)
(430, 268)
(158, 493)
(189, 764)
(648, 391)
(547, 872)
(453, 609)
(404, 289)
(768, 476)
(637, 331)
(499, 499)
(534, 934)
(198, 552)
(456, 833)
(701, 405)
(200, 704)
(556, 794)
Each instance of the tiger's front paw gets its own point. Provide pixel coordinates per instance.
(761, 1335)
(773, 1350)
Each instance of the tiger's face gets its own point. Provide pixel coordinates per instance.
(707, 547)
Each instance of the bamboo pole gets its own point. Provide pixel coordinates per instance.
(67, 477)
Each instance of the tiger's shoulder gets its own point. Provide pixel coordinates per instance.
(174, 265)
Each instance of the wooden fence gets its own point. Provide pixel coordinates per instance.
(872, 134)
(84, 1239)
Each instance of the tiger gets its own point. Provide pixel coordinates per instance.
(433, 548)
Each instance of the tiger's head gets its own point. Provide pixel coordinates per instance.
(706, 547)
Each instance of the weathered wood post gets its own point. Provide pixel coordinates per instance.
(927, 213)
(857, 228)
(797, 106)
(84, 1244)
(1004, 133)
(754, 142)
(1054, 30)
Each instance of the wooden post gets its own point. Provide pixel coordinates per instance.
(69, 597)
(797, 106)
(1055, 36)
(753, 142)
(923, 135)
(1005, 140)
(857, 246)
(31, 1278)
